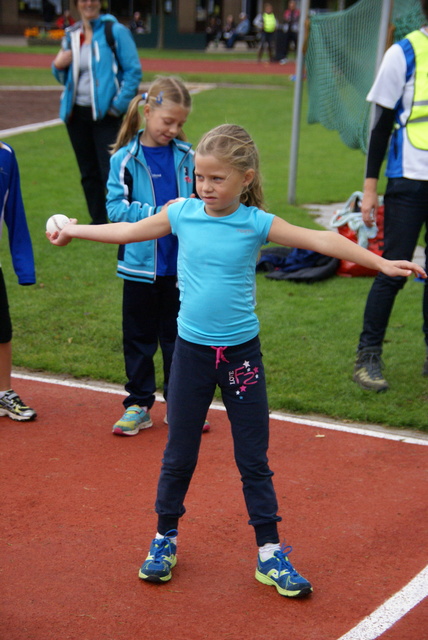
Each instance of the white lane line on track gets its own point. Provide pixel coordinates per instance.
(25, 128)
(392, 610)
(366, 431)
(346, 428)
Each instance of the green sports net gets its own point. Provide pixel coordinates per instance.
(340, 64)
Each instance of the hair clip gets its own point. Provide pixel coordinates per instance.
(159, 98)
(144, 96)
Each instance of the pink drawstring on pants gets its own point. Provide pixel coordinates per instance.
(219, 355)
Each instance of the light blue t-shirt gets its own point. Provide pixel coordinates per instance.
(216, 272)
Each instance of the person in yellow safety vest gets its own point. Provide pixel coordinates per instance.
(400, 131)
(268, 32)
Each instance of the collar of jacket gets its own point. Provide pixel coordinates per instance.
(133, 146)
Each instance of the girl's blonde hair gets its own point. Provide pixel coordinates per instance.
(232, 145)
(162, 91)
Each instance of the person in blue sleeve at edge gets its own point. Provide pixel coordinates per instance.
(99, 67)
(12, 212)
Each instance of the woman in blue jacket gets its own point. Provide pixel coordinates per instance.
(100, 70)
(149, 167)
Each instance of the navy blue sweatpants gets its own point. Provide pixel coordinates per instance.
(239, 372)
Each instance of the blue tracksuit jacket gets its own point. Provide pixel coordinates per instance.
(13, 214)
(114, 79)
(131, 197)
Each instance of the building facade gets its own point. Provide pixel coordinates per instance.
(184, 16)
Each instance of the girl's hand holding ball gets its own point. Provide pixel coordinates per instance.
(54, 226)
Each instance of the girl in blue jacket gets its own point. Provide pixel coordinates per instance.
(149, 167)
(100, 70)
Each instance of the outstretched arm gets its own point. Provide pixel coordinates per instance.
(117, 233)
(333, 244)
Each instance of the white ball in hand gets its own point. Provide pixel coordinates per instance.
(56, 222)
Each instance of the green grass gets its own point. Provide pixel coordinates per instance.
(70, 321)
(162, 54)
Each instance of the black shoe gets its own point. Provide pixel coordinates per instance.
(368, 370)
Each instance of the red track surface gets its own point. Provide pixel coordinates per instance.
(77, 519)
(162, 66)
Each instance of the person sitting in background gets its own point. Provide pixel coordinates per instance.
(213, 30)
(228, 29)
(242, 29)
(137, 24)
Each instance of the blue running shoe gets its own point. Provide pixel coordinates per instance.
(161, 559)
(278, 572)
(133, 420)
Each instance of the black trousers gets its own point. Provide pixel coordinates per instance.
(149, 319)
(91, 140)
(5, 321)
(406, 213)
(238, 371)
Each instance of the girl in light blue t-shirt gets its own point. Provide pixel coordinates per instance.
(219, 239)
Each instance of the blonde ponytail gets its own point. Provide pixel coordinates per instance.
(163, 90)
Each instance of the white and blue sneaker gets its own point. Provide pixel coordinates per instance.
(11, 405)
(161, 559)
(278, 572)
(133, 420)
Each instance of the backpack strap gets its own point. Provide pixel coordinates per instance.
(108, 31)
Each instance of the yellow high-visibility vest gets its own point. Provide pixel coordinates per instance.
(269, 22)
(417, 123)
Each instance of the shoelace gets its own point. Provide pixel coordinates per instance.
(163, 545)
(375, 365)
(13, 398)
(284, 563)
(219, 355)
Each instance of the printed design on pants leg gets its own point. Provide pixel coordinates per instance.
(243, 376)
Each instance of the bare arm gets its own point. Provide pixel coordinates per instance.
(333, 244)
(117, 233)
(369, 204)
(63, 59)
